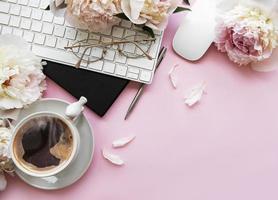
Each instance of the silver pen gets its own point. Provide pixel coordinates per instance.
(140, 90)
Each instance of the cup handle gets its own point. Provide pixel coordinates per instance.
(74, 110)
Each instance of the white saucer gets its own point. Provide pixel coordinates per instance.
(77, 169)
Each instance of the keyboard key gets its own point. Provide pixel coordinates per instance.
(25, 11)
(97, 52)
(141, 63)
(107, 31)
(94, 37)
(36, 26)
(54, 54)
(70, 33)
(82, 50)
(133, 70)
(4, 19)
(50, 41)
(96, 65)
(129, 33)
(25, 23)
(34, 3)
(132, 76)
(44, 4)
(118, 32)
(6, 30)
(145, 76)
(15, 9)
(47, 28)
(23, 2)
(109, 67)
(129, 47)
(59, 20)
(59, 31)
(39, 38)
(28, 36)
(120, 58)
(126, 23)
(109, 55)
(14, 21)
(47, 16)
(18, 32)
(121, 70)
(61, 43)
(81, 35)
(106, 39)
(71, 43)
(12, 1)
(37, 14)
(4, 7)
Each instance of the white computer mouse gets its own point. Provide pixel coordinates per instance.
(197, 31)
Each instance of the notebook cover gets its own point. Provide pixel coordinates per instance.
(100, 90)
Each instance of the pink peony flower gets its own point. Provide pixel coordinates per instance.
(95, 15)
(246, 34)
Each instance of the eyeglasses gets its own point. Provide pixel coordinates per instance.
(81, 49)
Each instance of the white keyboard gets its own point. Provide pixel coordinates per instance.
(48, 35)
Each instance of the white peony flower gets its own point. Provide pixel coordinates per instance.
(21, 78)
(152, 13)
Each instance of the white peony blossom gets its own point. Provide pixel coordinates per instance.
(21, 79)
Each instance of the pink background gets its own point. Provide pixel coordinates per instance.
(226, 147)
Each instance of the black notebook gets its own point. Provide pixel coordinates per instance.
(100, 90)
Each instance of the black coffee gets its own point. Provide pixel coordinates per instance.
(44, 142)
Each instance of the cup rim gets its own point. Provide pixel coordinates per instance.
(76, 139)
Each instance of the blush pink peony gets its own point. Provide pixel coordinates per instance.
(95, 15)
(246, 34)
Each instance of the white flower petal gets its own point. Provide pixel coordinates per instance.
(3, 182)
(114, 159)
(136, 6)
(123, 141)
(172, 77)
(195, 94)
(125, 5)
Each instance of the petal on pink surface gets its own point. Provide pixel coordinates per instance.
(123, 141)
(195, 94)
(112, 158)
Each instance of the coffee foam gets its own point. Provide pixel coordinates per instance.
(59, 148)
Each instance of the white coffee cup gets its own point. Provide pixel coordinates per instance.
(69, 121)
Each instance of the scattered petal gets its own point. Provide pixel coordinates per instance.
(123, 141)
(195, 94)
(172, 77)
(114, 159)
(3, 181)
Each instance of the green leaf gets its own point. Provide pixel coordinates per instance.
(149, 31)
(181, 9)
(122, 16)
(187, 2)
